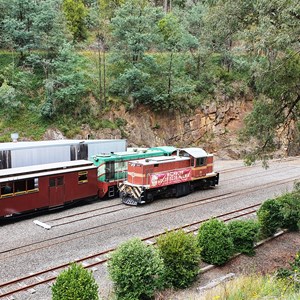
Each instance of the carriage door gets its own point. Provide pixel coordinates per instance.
(56, 191)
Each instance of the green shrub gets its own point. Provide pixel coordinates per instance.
(181, 256)
(269, 217)
(215, 241)
(136, 270)
(290, 210)
(75, 283)
(244, 234)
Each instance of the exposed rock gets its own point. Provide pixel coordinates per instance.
(53, 134)
(216, 282)
(214, 127)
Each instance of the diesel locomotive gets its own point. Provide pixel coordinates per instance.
(176, 175)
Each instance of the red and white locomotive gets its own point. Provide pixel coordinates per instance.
(176, 175)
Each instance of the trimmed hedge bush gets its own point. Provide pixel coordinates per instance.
(75, 283)
(136, 270)
(215, 242)
(290, 211)
(244, 234)
(270, 217)
(181, 256)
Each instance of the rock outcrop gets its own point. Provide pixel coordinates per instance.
(213, 127)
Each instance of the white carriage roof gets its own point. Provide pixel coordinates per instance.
(37, 144)
(46, 167)
(195, 152)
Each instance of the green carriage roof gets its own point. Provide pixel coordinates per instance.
(132, 154)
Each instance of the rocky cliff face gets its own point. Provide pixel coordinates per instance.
(213, 127)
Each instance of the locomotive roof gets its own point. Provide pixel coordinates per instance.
(45, 169)
(132, 154)
(195, 152)
(158, 160)
(169, 149)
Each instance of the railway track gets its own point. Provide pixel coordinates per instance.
(29, 282)
(58, 240)
(93, 213)
(276, 161)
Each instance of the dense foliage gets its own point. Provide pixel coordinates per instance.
(244, 234)
(270, 217)
(166, 54)
(136, 270)
(280, 213)
(215, 242)
(181, 256)
(290, 210)
(76, 283)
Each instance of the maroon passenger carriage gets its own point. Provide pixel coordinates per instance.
(46, 186)
(168, 176)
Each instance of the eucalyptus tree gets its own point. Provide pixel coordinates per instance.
(134, 34)
(76, 13)
(175, 41)
(100, 14)
(193, 20)
(50, 33)
(67, 85)
(17, 25)
(49, 25)
(30, 25)
(274, 45)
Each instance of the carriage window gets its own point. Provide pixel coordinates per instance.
(52, 182)
(156, 165)
(32, 183)
(82, 177)
(56, 181)
(60, 180)
(36, 183)
(6, 188)
(200, 161)
(20, 186)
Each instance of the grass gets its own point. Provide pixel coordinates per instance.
(252, 287)
(28, 125)
(7, 57)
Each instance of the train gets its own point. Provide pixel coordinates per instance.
(137, 176)
(48, 186)
(176, 175)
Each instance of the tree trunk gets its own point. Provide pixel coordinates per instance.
(170, 75)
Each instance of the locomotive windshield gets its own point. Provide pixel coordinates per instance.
(110, 170)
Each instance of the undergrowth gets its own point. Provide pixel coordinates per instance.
(253, 287)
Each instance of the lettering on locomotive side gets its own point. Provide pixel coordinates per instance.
(177, 176)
